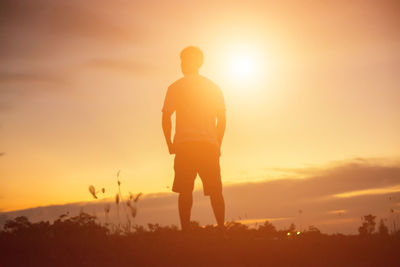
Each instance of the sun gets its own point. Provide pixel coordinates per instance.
(243, 66)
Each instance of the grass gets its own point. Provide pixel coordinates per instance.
(82, 241)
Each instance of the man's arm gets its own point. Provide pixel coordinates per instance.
(167, 125)
(221, 125)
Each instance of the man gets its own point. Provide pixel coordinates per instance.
(200, 126)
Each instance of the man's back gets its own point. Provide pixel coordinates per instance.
(200, 127)
(197, 102)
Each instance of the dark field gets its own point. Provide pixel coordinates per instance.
(81, 241)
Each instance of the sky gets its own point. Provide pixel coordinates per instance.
(82, 84)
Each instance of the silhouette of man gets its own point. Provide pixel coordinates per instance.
(199, 129)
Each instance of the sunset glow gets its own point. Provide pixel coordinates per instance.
(199, 133)
(244, 67)
(82, 85)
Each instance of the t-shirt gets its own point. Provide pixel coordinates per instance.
(197, 101)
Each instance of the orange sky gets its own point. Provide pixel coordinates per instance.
(82, 85)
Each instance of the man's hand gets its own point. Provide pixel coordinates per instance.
(166, 125)
(171, 148)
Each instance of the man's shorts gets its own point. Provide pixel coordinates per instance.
(194, 158)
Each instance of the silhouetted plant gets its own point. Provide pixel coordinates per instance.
(82, 224)
(82, 241)
(368, 225)
(3, 219)
(383, 229)
(156, 228)
(236, 227)
(394, 221)
(129, 207)
(63, 227)
(19, 224)
(292, 227)
(267, 229)
(313, 229)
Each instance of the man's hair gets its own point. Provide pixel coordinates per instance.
(192, 55)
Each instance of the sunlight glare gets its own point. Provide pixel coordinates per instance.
(243, 66)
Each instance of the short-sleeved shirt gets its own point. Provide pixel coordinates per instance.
(197, 102)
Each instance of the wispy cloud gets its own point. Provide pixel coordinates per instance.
(23, 77)
(18, 86)
(340, 212)
(373, 191)
(121, 65)
(262, 220)
(39, 29)
(63, 18)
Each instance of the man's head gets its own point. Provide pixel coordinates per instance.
(191, 60)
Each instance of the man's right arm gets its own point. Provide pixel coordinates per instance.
(167, 126)
(167, 111)
(221, 125)
(220, 114)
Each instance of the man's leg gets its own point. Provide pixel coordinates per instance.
(218, 205)
(185, 201)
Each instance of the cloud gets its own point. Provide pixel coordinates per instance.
(306, 201)
(22, 77)
(17, 86)
(43, 43)
(342, 176)
(62, 17)
(43, 28)
(121, 65)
